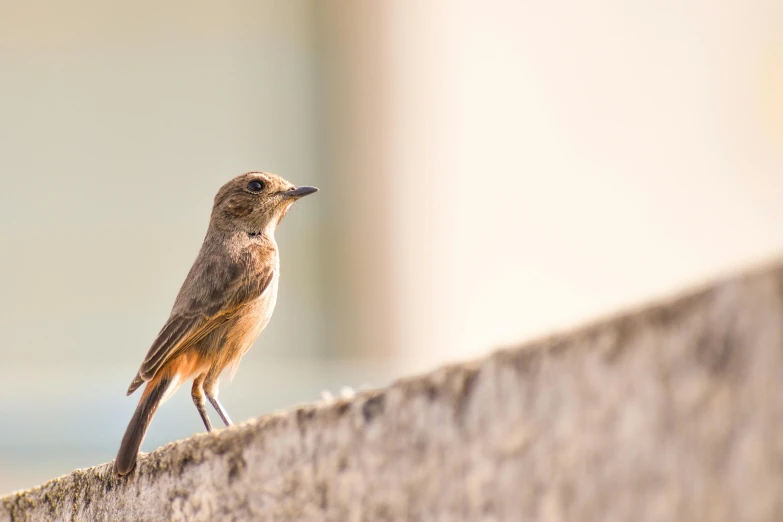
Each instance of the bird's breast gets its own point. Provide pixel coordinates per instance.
(266, 303)
(257, 316)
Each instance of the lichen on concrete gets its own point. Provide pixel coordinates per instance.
(670, 412)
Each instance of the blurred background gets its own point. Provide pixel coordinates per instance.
(490, 172)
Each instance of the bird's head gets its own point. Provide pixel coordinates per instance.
(255, 203)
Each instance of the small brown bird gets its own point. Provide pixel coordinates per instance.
(224, 303)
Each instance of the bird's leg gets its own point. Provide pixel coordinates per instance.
(197, 392)
(211, 389)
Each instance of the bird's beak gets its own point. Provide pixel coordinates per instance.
(299, 192)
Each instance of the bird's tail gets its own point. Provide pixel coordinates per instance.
(137, 428)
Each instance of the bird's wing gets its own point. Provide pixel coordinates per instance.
(210, 296)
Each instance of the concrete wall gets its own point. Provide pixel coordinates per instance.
(673, 412)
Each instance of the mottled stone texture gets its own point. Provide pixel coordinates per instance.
(674, 412)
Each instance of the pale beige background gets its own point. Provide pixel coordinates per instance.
(489, 172)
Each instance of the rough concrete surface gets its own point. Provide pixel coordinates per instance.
(673, 412)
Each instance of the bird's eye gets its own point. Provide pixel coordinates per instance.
(255, 186)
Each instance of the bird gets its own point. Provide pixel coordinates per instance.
(225, 302)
